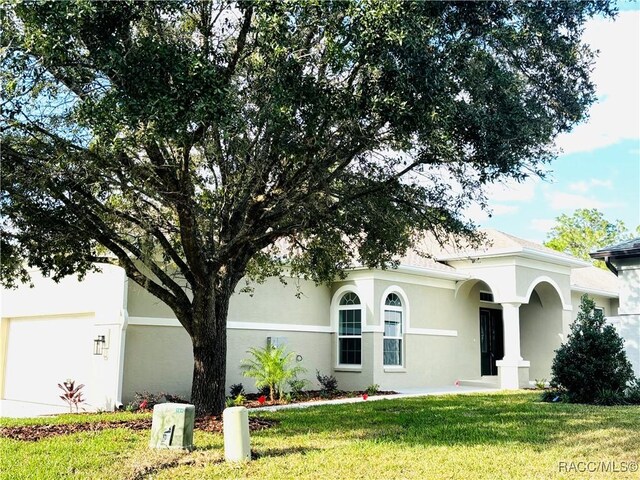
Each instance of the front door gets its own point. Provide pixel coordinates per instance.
(491, 340)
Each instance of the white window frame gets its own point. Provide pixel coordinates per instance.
(405, 327)
(400, 338)
(358, 307)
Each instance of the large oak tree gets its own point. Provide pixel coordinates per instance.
(183, 140)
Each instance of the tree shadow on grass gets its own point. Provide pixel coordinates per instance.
(280, 452)
(463, 420)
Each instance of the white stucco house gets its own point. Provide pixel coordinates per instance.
(489, 316)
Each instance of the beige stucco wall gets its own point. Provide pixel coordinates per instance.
(274, 302)
(541, 330)
(610, 305)
(159, 358)
(298, 302)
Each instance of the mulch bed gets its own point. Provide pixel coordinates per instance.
(209, 423)
(33, 433)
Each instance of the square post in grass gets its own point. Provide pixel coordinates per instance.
(172, 426)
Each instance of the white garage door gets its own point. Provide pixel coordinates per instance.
(45, 351)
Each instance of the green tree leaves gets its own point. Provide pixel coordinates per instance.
(183, 140)
(585, 231)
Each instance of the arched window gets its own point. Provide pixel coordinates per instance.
(350, 330)
(393, 331)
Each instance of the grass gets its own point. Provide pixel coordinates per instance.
(492, 436)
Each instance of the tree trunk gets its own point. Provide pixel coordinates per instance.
(209, 338)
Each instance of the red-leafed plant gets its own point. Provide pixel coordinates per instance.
(72, 394)
(262, 399)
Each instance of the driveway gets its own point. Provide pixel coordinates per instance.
(18, 409)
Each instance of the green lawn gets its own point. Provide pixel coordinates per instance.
(502, 435)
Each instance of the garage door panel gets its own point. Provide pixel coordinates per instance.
(45, 351)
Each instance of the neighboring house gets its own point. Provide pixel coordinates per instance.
(623, 260)
(493, 316)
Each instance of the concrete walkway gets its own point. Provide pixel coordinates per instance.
(408, 393)
(17, 409)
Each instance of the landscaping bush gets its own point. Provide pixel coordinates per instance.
(146, 400)
(297, 386)
(328, 383)
(271, 367)
(592, 366)
(632, 393)
(373, 389)
(236, 389)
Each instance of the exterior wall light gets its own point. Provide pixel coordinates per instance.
(98, 345)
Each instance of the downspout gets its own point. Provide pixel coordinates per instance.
(610, 266)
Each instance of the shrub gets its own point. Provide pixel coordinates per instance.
(591, 367)
(146, 400)
(297, 386)
(541, 384)
(271, 367)
(328, 383)
(632, 393)
(373, 389)
(236, 389)
(72, 394)
(609, 397)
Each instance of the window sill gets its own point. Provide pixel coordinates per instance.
(344, 368)
(395, 370)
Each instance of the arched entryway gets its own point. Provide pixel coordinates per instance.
(541, 329)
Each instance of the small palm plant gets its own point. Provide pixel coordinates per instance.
(271, 367)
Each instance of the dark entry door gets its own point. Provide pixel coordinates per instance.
(491, 340)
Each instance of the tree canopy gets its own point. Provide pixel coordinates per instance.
(183, 140)
(586, 230)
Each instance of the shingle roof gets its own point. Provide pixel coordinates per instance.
(497, 242)
(628, 248)
(594, 279)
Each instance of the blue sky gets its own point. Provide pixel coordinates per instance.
(599, 166)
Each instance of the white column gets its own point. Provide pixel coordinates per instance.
(511, 322)
(512, 364)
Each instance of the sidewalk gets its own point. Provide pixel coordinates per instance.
(408, 393)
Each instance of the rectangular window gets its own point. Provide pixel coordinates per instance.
(486, 297)
(349, 337)
(392, 348)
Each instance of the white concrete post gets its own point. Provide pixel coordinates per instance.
(236, 434)
(511, 322)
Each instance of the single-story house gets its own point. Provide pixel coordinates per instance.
(488, 316)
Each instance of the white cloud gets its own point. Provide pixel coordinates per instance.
(500, 209)
(616, 116)
(542, 224)
(584, 186)
(570, 201)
